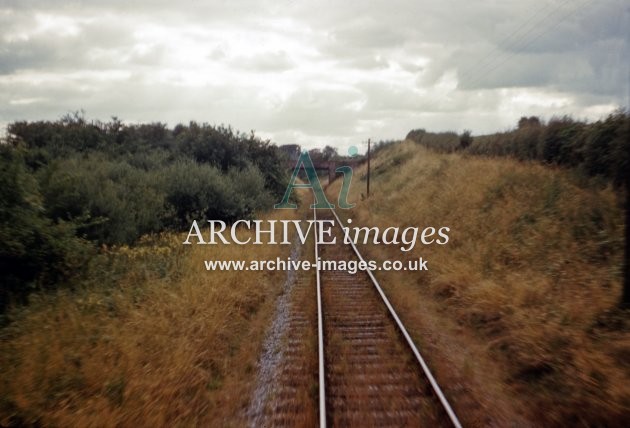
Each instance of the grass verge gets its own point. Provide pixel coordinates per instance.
(528, 278)
(150, 339)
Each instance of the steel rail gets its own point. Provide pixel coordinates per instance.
(436, 388)
(320, 336)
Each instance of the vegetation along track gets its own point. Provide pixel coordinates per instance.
(371, 373)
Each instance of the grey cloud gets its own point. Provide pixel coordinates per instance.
(579, 55)
(367, 33)
(167, 11)
(386, 100)
(579, 25)
(23, 55)
(46, 51)
(314, 110)
(270, 62)
(366, 62)
(594, 69)
(341, 81)
(150, 102)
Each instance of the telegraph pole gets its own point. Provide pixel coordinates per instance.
(625, 296)
(368, 171)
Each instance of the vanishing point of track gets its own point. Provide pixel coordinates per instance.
(370, 371)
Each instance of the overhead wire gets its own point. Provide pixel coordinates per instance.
(497, 50)
(477, 73)
(486, 71)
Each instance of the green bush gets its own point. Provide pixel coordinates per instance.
(599, 149)
(465, 140)
(197, 191)
(35, 252)
(111, 202)
(71, 184)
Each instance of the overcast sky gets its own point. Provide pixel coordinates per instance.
(315, 72)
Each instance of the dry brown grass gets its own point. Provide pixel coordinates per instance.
(178, 348)
(531, 269)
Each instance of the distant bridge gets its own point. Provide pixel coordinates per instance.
(329, 166)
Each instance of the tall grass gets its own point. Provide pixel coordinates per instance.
(165, 343)
(597, 149)
(531, 269)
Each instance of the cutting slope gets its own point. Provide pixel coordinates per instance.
(523, 290)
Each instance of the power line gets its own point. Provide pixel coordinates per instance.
(497, 49)
(507, 55)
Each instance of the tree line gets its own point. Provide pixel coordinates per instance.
(72, 185)
(598, 149)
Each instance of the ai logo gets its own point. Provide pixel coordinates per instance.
(314, 184)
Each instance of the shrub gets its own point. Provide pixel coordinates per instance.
(465, 140)
(598, 149)
(34, 251)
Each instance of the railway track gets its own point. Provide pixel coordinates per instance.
(370, 372)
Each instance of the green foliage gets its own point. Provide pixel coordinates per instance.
(560, 142)
(380, 145)
(606, 148)
(416, 135)
(197, 191)
(465, 139)
(329, 153)
(528, 122)
(445, 142)
(34, 251)
(600, 149)
(71, 182)
(111, 202)
(217, 146)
